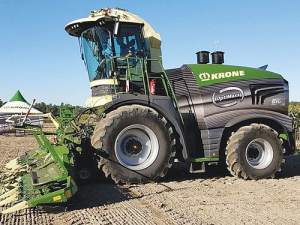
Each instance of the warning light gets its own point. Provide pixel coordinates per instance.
(68, 194)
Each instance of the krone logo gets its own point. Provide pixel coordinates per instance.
(228, 97)
(219, 76)
(204, 76)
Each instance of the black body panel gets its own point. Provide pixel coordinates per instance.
(209, 110)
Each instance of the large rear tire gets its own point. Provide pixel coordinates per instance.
(140, 144)
(254, 152)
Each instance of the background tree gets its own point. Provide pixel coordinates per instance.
(294, 113)
(41, 106)
(54, 109)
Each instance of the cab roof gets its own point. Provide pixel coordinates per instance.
(76, 27)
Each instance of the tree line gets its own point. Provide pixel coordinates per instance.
(54, 109)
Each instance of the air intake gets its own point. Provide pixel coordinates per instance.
(217, 57)
(202, 57)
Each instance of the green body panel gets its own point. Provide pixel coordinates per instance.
(205, 160)
(284, 136)
(208, 74)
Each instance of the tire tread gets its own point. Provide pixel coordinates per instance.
(232, 150)
(100, 133)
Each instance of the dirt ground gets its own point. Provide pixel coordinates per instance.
(214, 197)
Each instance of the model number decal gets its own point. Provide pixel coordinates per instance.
(228, 97)
(278, 101)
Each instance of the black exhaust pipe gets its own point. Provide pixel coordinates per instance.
(202, 57)
(217, 57)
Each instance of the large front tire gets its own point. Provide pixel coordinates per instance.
(254, 152)
(140, 144)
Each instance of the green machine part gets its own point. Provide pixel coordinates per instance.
(40, 177)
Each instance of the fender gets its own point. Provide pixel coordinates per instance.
(284, 121)
(164, 105)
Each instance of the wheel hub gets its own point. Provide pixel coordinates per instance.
(254, 152)
(259, 153)
(133, 146)
(136, 147)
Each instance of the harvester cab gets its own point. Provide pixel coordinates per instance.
(118, 49)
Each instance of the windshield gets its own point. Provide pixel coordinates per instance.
(96, 52)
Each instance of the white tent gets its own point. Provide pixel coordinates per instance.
(18, 105)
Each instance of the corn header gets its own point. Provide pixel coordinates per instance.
(41, 176)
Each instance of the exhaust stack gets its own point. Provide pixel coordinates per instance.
(217, 57)
(202, 57)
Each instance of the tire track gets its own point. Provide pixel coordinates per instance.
(110, 204)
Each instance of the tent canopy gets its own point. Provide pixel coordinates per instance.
(17, 105)
(18, 97)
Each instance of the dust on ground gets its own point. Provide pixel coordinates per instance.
(214, 197)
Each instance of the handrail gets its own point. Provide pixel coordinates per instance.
(145, 76)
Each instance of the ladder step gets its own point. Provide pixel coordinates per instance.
(198, 167)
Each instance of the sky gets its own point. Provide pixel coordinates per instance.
(41, 60)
